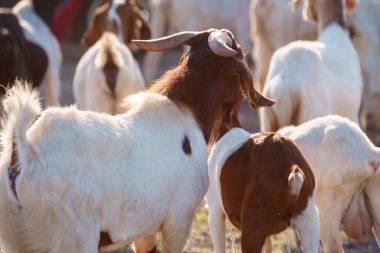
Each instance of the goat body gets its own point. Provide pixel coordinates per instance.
(262, 183)
(70, 175)
(20, 58)
(106, 74)
(345, 164)
(112, 195)
(38, 32)
(312, 79)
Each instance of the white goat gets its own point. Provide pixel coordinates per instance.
(346, 167)
(38, 32)
(106, 74)
(169, 16)
(274, 24)
(312, 79)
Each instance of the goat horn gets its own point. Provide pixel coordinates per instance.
(220, 44)
(167, 42)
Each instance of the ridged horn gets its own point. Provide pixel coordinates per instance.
(220, 44)
(167, 42)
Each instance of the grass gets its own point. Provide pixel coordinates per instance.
(199, 240)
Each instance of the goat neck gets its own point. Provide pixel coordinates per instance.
(328, 11)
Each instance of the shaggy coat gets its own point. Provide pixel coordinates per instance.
(346, 167)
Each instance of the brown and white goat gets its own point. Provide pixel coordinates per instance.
(108, 72)
(122, 17)
(69, 175)
(262, 183)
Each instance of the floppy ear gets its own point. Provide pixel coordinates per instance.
(351, 5)
(255, 98)
(96, 27)
(134, 24)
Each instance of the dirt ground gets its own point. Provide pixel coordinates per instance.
(200, 240)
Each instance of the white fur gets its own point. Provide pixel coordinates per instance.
(295, 180)
(312, 79)
(85, 172)
(38, 32)
(266, 19)
(227, 145)
(170, 16)
(340, 155)
(273, 25)
(113, 16)
(90, 88)
(307, 222)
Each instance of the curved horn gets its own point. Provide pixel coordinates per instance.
(168, 42)
(220, 44)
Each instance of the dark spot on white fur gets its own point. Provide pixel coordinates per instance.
(14, 170)
(186, 147)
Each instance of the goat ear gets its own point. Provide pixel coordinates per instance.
(95, 29)
(134, 23)
(351, 5)
(255, 98)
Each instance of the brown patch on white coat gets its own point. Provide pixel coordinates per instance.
(324, 12)
(124, 18)
(264, 184)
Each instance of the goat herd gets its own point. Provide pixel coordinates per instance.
(124, 164)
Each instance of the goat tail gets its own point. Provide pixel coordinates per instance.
(21, 105)
(295, 180)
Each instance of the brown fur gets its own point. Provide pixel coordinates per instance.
(205, 83)
(105, 240)
(327, 11)
(134, 26)
(255, 190)
(110, 71)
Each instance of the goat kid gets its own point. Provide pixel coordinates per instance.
(262, 183)
(69, 175)
(345, 164)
